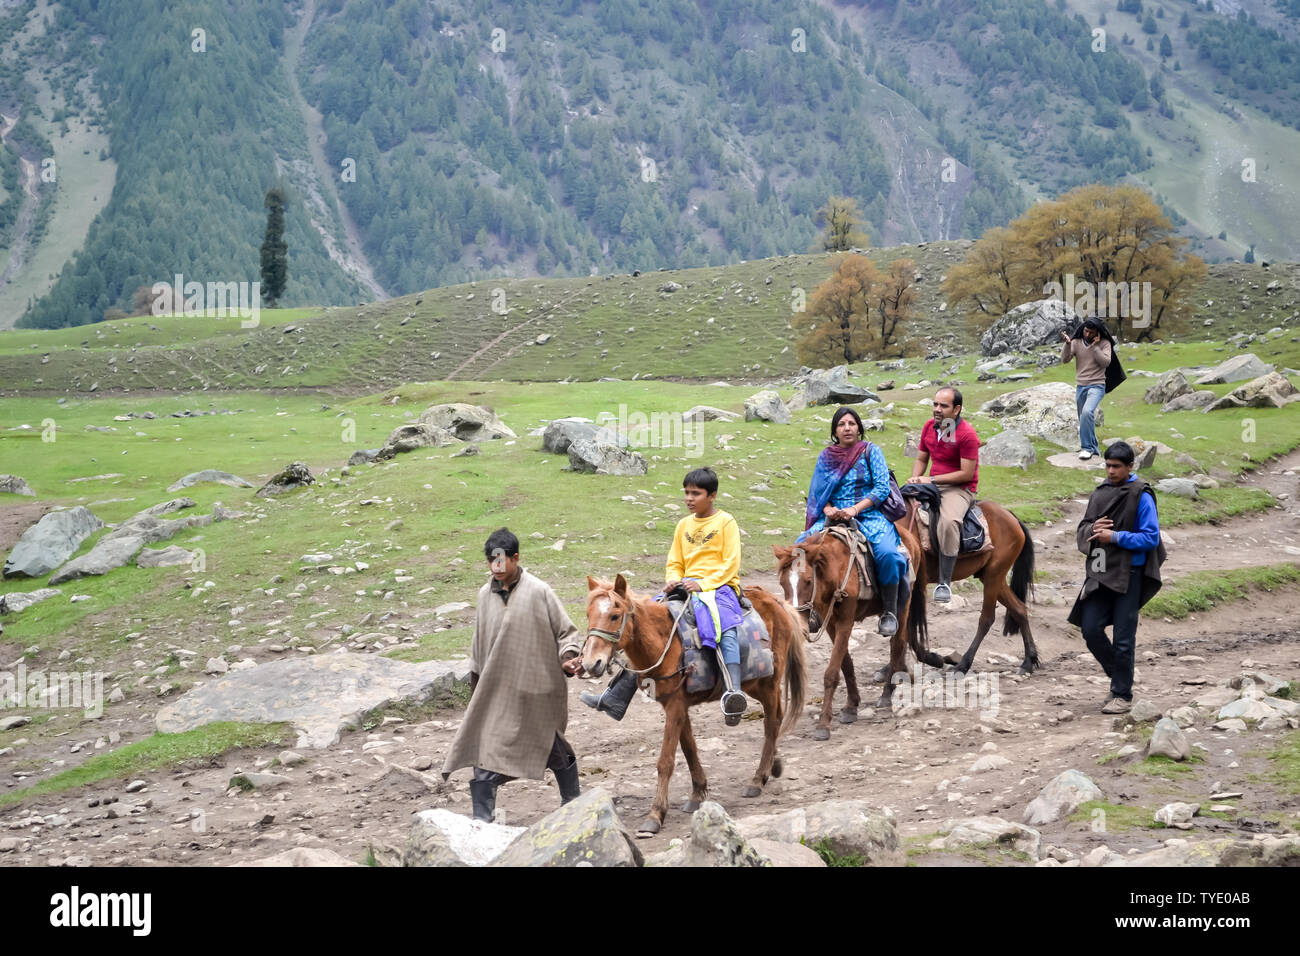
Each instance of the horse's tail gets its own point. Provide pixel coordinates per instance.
(796, 668)
(918, 626)
(1022, 578)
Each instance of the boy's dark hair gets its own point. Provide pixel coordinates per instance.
(704, 478)
(956, 395)
(1120, 451)
(839, 414)
(503, 539)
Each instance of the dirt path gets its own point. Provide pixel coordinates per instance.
(917, 764)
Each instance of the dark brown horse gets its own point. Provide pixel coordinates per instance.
(618, 619)
(818, 578)
(1013, 550)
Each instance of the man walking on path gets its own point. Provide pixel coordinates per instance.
(1092, 349)
(518, 704)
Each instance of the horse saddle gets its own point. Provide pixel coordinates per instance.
(860, 553)
(701, 663)
(975, 536)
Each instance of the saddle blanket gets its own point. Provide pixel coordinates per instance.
(756, 659)
(974, 531)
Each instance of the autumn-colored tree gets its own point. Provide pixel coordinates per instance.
(855, 314)
(1093, 235)
(842, 221)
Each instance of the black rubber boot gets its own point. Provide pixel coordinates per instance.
(483, 793)
(888, 601)
(733, 700)
(943, 590)
(567, 780)
(616, 697)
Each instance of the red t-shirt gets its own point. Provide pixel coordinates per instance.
(947, 451)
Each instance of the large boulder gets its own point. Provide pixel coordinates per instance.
(1008, 449)
(109, 552)
(411, 436)
(1182, 487)
(992, 832)
(16, 601)
(715, 840)
(767, 406)
(209, 474)
(1046, 411)
(466, 422)
(586, 831)
(827, 387)
(51, 541)
(1190, 401)
(603, 458)
(294, 477)
(170, 557)
(1170, 385)
(13, 485)
(1028, 326)
(1061, 797)
(320, 694)
(849, 827)
(1268, 391)
(442, 838)
(563, 432)
(1236, 369)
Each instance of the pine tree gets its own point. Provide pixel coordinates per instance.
(275, 251)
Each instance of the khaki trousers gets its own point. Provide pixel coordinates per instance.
(953, 502)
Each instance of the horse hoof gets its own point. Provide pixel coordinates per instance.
(848, 715)
(776, 766)
(648, 828)
(821, 733)
(884, 703)
(752, 792)
(880, 676)
(690, 806)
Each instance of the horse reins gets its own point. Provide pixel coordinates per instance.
(616, 638)
(840, 594)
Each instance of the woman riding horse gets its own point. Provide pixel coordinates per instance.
(850, 482)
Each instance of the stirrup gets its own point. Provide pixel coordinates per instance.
(888, 624)
(942, 594)
(733, 706)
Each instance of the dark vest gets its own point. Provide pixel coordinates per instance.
(1120, 504)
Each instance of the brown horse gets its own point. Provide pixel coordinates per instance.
(817, 577)
(1013, 550)
(618, 619)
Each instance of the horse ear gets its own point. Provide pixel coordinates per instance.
(620, 586)
(782, 553)
(592, 583)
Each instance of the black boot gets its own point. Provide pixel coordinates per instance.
(614, 699)
(483, 793)
(566, 779)
(888, 601)
(943, 590)
(733, 699)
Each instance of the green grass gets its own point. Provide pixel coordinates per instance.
(1285, 774)
(1202, 590)
(158, 752)
(1118, 816)
(824, 850)
(1159, 766)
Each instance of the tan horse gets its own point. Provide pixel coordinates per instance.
(1013, 551)
(618, 619)
(818, 578)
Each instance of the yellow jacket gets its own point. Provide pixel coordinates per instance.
(706, 549)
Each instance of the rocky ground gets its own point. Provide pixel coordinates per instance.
(929, 765)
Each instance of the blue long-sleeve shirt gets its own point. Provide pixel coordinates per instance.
(1147, 534)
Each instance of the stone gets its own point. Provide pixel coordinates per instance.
(1184, 716)
(605, 459)
(442, 838)
(16, 601)
(1215, 698)
(168, 507)
(827, 387)
(707, 413)
(989, 832)
(295, 476)
(291, 758)
(1168, 740)
(785, 854)
(1247, 708)
(257, 781)
(216, 665)
(319, 694)
(989, 762)
(209, 474)
(1234, 725)
(135, 786)
(1239, 368)
(1182, 487)
(50, 542)
(302, 856)
(1190, 402)
(363, 456)
(1177, 815)
(1028, 326)
(1267, 851)
(767, 406)
(13, 723)
(168, 557)
(1008, 449)
(715, 840)
(14, 485)
(563, 432)
(1169, 386)
(849, 827)
(109, 552)
(1145, 710)
(1269, 391)
(1045, 411)
(1061, 797)
(466, 422)
(1271, 686)
(409, 437)
(585, 831)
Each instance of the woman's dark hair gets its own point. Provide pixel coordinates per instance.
(1119, 451)
(504, 540)
(703, 478)
(835, 423)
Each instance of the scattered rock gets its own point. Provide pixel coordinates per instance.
(563, 432)
(767, 406)
(989, 832)
(707, 413)
(1061, 797)
(442, 838)
(15, 601)
(1270, 391)
(605, 459)
(1190, 402)
(1182, 487)
(302, 856)
(1168, 740)
(405, 438)
(1236, 369)
(587, 830)
(1144, 710)
(50, 542)
(849, 827)
(1028, 326)
(1170, 385)
(13, 485)
(466, 422)
(1008, 449)
(257, 781)
(168, 557)
(1177, 815)
(209, 474)
(715, 840)
(294, 477)
(1046, 411)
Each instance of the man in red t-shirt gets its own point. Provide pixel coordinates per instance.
(950, 449)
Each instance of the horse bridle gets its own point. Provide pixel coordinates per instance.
(616, 638)
(840, 594)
